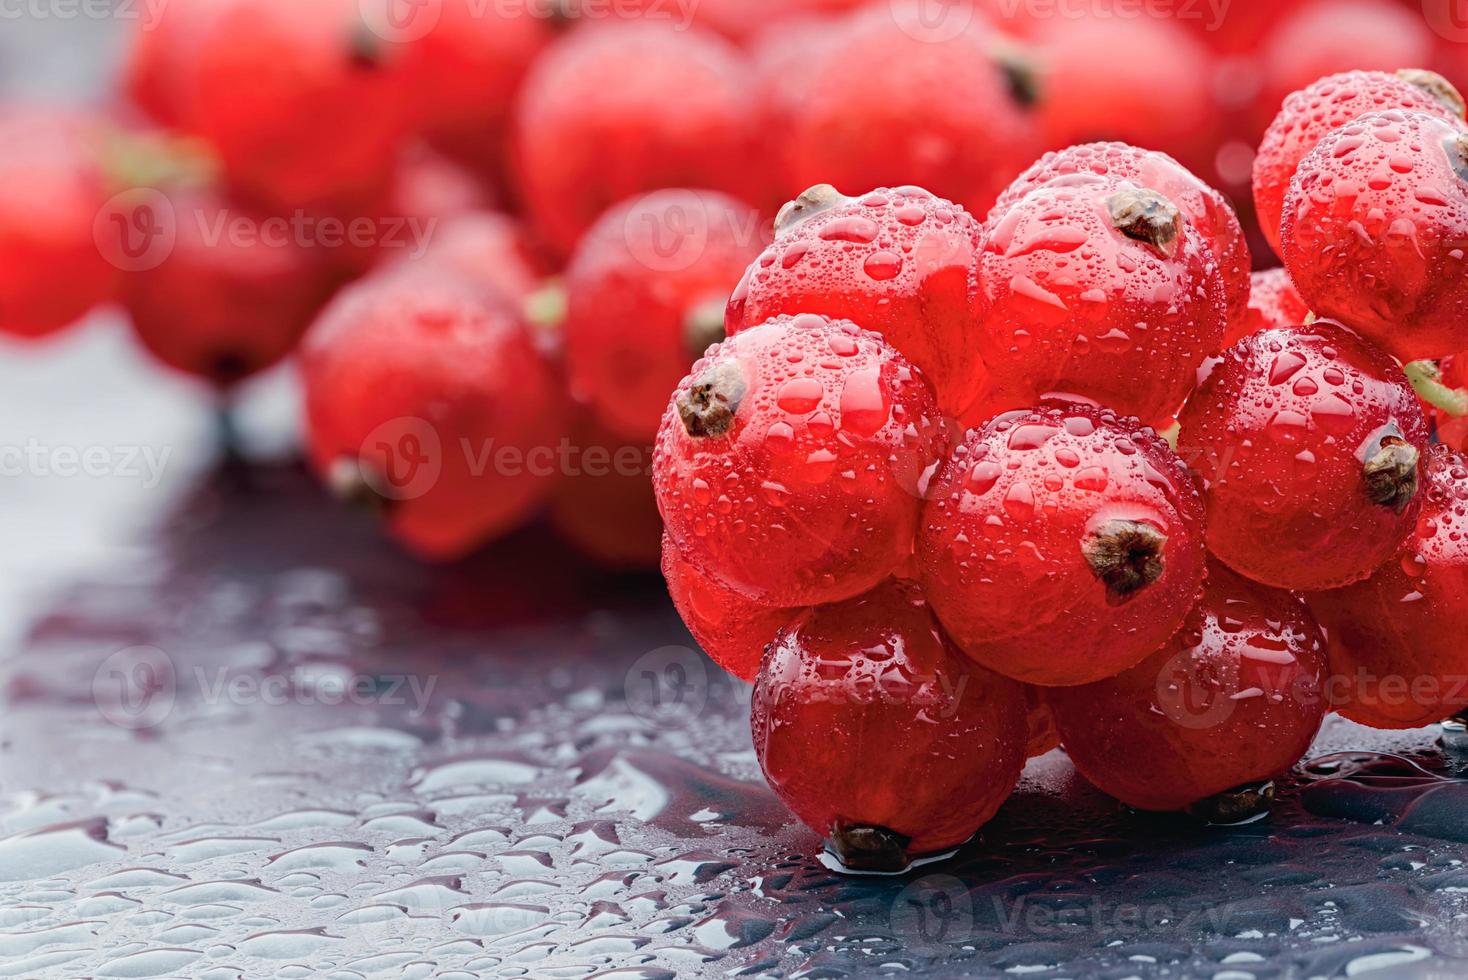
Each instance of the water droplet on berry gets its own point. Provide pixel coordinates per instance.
(799, 396)
(883, 265)
(864, 405)
(855, 229)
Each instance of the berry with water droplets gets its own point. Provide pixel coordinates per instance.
(52, 191)
(791, 461)
(895, 261)
(1097, 289)
(617, 109)
(1313, 113)
(1397, 647)
(1374, 227)
(645, 292)
(226, 301)
(1307, 441)
(1204, 208)
(880, 735)
(1060, 546)
(427, 399)
(868, 109)
(1233, 700)
(732, 630)
(1273, 302)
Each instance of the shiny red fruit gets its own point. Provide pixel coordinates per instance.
(1313, 113)
(1307, 441)
(880, 735)
(233, 294)
(603, 503)
(430, 401)
(618, 109)
(1273, 302)
(305, 103)
(1207, 210)
(791, 461)
(1061, 546)
(732, 630)
(894, 96)
(52, 195)
(1397, 651)
(1098, 289)
(895, 261)
(1235, 699)
(1141, 80)
(1373, 231)
(645, 292)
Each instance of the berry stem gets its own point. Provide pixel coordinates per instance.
(1127, 556)
(813, 200)
(1391, 473)
(709, 405)
(1144, 215)
(1427, 380)
(1238, 805)
(545, 309)
(862, 847)
(1434, 85)
(704, 325)
(348, 482)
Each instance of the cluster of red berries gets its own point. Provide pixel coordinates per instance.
(919, 498)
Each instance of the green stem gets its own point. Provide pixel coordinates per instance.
(1428, 381)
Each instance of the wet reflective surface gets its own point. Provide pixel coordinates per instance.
(241, 736)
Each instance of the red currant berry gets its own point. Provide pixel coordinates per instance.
(428, 399)
(1204, 208)
(791, 460)
(646, 291)
(229, 299)
(615, 110)
(468, 61)
(1096, 288)
(1313, 113)
(895, 261)
(1329, 36)
(731, 629)
(304, 103)
(1060, 546)
(603, 503)
(52, 191)
(876, 732)
(1141, 80)
(1307, 441)
(1396, 640)
(1373, 229)
(1273, 302)
(868, 112)
(1235, 699)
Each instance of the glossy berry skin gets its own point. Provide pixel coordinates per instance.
(1141, 80)
(1203, 207)
(603, 503)
(1235, 698)
(890, 98)
(1096, 288)
(790, 462)
(876, 732)
(731, 629)
(1373, 228)
(52, 191)
(1313, 113)
(645, 294)
(897, 261)
(617, 109)
(228, 300)
(280, 90)
(1396, 640)
(1307, 442)
(430, 401)
(1273, 302)
(1060, 546)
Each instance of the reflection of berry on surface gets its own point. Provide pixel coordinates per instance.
(1060, 546)
(1235, 698)
(880, 735)
(604, 504)
(791, 460)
